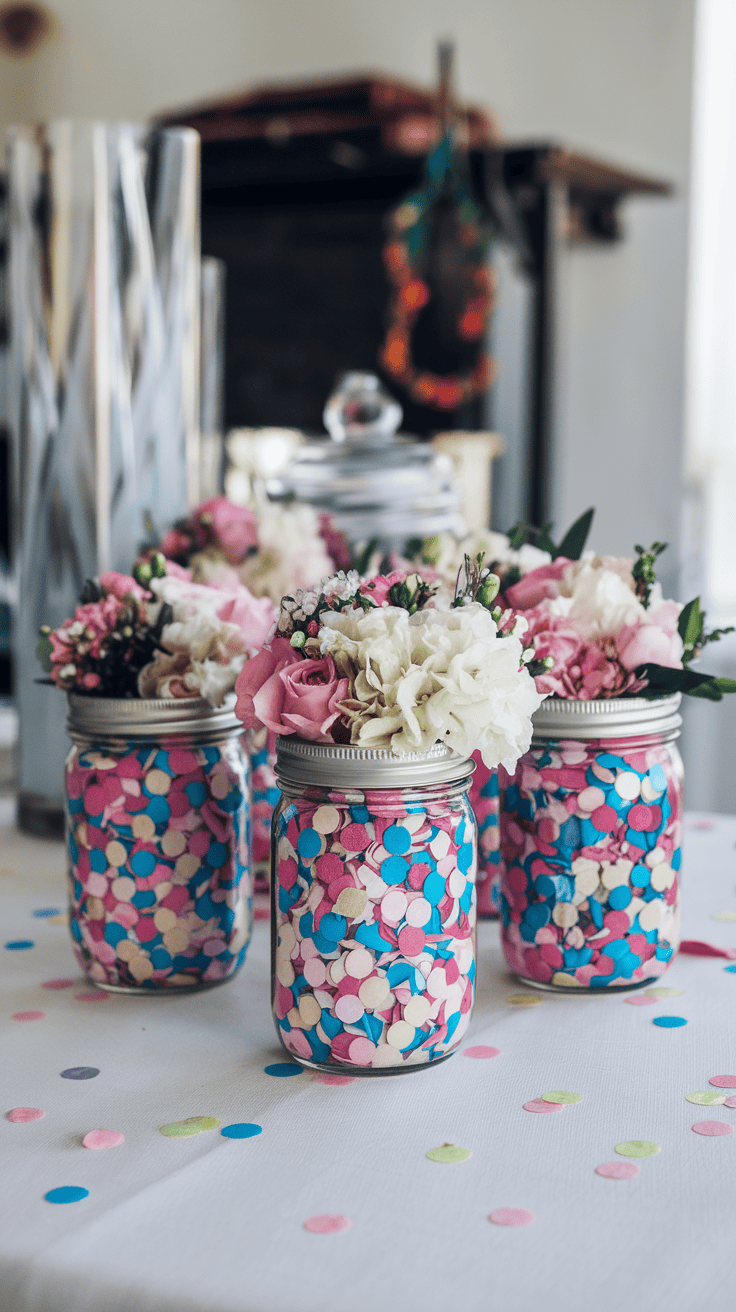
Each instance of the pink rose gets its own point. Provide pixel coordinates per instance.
(253, 616)
(290, 695)
(233, 528)
(654, 640)
(121, 585)
(175, 543)
(537, 585)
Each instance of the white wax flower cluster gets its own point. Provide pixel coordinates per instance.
(440, 674)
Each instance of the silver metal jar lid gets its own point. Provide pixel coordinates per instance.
(616, 717)
(336, 766)
(133, 719)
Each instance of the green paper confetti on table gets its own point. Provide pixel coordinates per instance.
(192, 1125)
(724, 915)
(637, 1148)
(561, 1095)
(706, 1097)
(524, 999)
(448, 1152)
(658, 992)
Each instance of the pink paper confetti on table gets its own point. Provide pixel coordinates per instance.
(617, 1170)
(19, 1115)
(712, 1128)
(58, 984)
(103, 1139)
(481, 1050)
(511, 1216)
(723, 1081)
(696, 947)
(28, 1015)
(327, 1223)
(730, 1102)
(641, 1000)
(541, 1105)
(326, 1078)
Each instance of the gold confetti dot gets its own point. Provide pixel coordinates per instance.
(126, 950)
(220, 786)
(143, 827)
(524, 999)
(176, 939)
(164, 919)
(311, 1012)
(141, 967)
(187, 866)
(123, 888)
(116, 853)
(158, 782)
(173, 843)
(351, 902)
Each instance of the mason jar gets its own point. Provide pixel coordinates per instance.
(265, 794)
(372, 906)
(157, 833)
(485, 801)
(591, 827)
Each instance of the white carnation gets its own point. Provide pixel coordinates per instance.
(438, 675)
(600, 596)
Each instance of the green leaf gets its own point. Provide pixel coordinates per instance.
(573, 543)
(726, 685)
(520, 534)
(690, 624)
(663, 679)
(544, 541)
(43, 652)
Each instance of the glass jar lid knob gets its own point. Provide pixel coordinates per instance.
(360, 410)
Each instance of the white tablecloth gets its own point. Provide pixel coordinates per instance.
(211, 1224)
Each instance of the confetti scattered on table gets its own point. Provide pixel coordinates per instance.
(80, 1073)
(327, 1223)
(542, 1105)
(712, 1128)
(637, 1148)
(19, 1115)
(44, 912)
(512, 1216)
(731, 969)
(20, 944)
(68, 1193)
(192, 1125)
(58, 984)
(706, 1097)
(281, 1069)
(669, 1022)
(723, 1081)
(241, 1130)
(641, 1000)
(96, 996)
(61, 919)
(327, 1078)
(103, 1139)
(617, 1170)
(524, 999)
(730, 1102)
(449, 1152)
(562, 1096)
(697, 947)
(661, 992)
(28, 1015)
(724, 915)
(481, 1050)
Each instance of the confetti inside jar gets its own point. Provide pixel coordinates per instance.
(265, 794)
(591, 826)
(484, 799)
(157, 833)
(373, 906)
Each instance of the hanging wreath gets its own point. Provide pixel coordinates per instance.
(405, 257)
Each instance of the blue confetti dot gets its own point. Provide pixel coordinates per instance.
(143, 864)
(434, 888)
(242, 1129)
(282, 1069)
(80, 1073)
(159, 810)
(196, 792)
(20, 944)
(669, 1022)
(43, 912)
(333, 927)
(731, 969)
(216, 856)
(98, 860)
(394, 870)
(67, 1193)
(396, 839)
(619, 897)
(308, 843)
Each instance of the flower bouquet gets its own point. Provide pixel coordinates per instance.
(157, 798)
(592, 817)
(380, 690)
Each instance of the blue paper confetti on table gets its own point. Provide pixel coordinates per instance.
(46, 911)
(281, 1069)
(67, 1193)
(80, 1073)
(20, 944)
(241, 1130)
(731, 969)
(669, 1022)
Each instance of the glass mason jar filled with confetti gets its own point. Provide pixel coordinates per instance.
(591, 826)
(373, 906)
(157, 832)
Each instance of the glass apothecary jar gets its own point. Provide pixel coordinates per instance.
(591, 827)
(373, 907)
(157, 832)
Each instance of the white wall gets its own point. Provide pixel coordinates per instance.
(611, 77)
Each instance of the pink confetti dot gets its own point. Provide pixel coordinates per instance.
(511, 1216)
(481, 1050)
(723, 1081)
(639, 1000)
(362, 1051)
(28, 1015)
(540, 1105)
(617, 1170)
(58, 984)
(605, 819)
(335, 1079)
(712, 1128)
(411, 941)
(730, 1102)
(97, 996)
(21, 1114)
(327, 1223)
(103, 1139)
